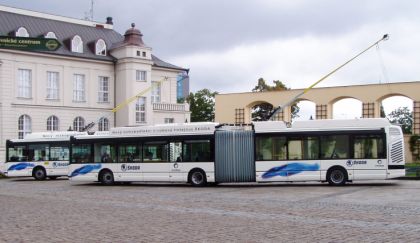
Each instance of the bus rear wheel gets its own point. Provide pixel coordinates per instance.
(39, 174)
(197, 178)
(337, 177)
(107, 178)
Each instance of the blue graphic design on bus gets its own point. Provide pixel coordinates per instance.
(21, 166)
(289, 169)
(85, 169)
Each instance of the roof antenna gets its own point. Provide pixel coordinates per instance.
(89, 15)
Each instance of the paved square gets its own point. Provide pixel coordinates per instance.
(33, 211)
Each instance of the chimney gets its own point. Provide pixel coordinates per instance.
(109, 20)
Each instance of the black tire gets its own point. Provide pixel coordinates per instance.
(39, 174)
(106, 178)
(197, 178)
(52, 177)
(337, 177)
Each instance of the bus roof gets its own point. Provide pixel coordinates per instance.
(322, 125)
(173, 129)
(49, 136)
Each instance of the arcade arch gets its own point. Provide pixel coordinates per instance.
(346, 108)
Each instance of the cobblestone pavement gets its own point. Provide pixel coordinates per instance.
(53, 211)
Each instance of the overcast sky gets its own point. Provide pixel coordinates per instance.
(229, 44)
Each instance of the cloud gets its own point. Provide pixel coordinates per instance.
(300, 61)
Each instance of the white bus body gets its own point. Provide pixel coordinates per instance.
(336, 151)
(39, 155)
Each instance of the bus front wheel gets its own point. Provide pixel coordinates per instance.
(197, 178)
(39, 174)
(106, 178)
(337, 176)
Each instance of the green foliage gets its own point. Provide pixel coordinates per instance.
(261, 112)
(383, 115)
(414, 144)
(201, 105)
(262, 86)
(403, 117)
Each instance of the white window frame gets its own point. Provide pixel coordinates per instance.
(77, 44)
(53, 86)
(141, 75)
(53, 123)
(50, 35)
(78, 123)
(24, 126)
(103, 89)
(100, 48)
(22, 32)
(156, 92)
(103, 124)
(141, 110)
(24, 83)
(79, 84)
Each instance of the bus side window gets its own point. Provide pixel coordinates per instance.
(369, 147)
(38, 152)
(175, 151)
(105, 153)
(335, 147)
(303, 148)
(196, 151)
(17, 153)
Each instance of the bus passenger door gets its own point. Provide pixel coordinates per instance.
(177, 166)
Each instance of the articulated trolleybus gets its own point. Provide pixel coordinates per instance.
(337, 151)
(40, 155)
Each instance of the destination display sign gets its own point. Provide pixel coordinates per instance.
(29, 44)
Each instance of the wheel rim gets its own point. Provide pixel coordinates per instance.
(39, 174)
(337, 176)
(107, 178)
(197, 178)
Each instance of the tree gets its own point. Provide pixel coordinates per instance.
(403, 117)
(201, 105)
(261, 111)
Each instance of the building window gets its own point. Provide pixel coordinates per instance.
(25, 83)
(77, 44)
(52, 123)
(24, 126)
(103, 124)
(100, 48)
(79, 88)
(140, 75)
(138, 53)
(78, 124)
(239, 116)
(50, 35)
(368, 110)
(141, 110)
(103, 91)
(169, 120)
(144, 54)
(156, 92)
(52, 86)
(22, 32)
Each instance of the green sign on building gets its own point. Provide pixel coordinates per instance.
(29, 44)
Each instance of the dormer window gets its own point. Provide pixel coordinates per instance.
(100, 48)
(77, 44)
(50, 35)
(22, 32)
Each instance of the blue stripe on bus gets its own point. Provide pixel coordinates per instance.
(85, 169)
(289, 169)
(21, 166)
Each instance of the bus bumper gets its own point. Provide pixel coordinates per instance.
(395, 173)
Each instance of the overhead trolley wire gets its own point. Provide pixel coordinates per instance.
(281, 107)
